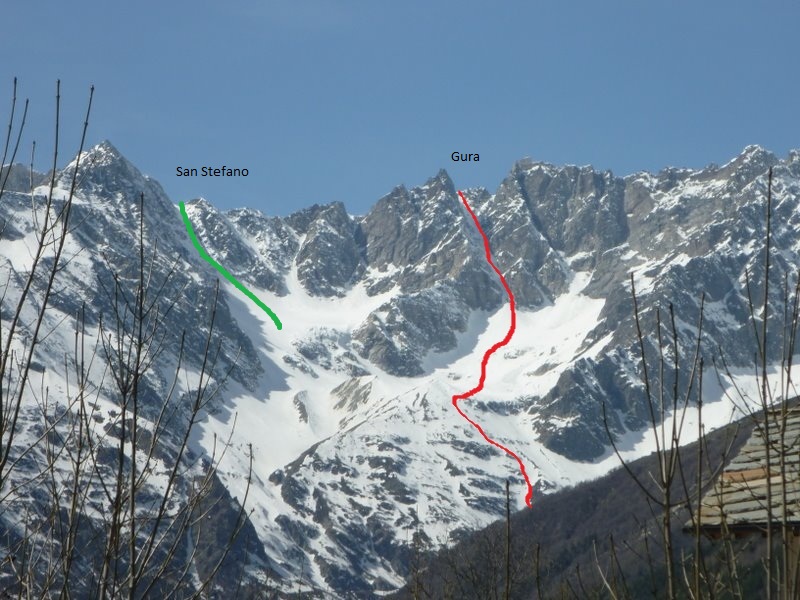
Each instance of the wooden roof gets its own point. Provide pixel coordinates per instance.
(739, 497)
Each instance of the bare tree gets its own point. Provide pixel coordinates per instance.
(769, 410)
(98, 506)
(662, 401)
(669, 490)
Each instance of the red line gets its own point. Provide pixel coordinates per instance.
(489, 353)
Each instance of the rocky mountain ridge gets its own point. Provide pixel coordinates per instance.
(386, 316)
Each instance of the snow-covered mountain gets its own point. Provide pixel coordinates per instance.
(386, 317)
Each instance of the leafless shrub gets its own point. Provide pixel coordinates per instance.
(103, 504)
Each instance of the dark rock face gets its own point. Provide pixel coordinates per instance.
(19, 178)
(329, 256)
(413, 325)
(405, 226)
(575, 209)
(220, 233)
(276, 245)
(429, 245)
(426, 235)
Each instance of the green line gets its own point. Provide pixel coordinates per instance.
(204, 255)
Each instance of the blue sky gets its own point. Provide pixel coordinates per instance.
(328, 100)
